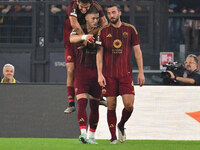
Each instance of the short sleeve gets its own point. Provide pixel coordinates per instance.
(135, 36)
(71, 9)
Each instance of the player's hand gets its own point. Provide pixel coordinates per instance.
(101, 80)
(88, 37)
(141, 79)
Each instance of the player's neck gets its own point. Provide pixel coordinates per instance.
(89, 28)
(118, 24)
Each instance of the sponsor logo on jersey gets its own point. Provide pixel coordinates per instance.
(117, 43)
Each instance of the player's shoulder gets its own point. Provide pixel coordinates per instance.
(72, 6)
(104, 27)
(129, 26)
(98, 7)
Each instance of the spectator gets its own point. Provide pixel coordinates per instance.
(191, 75)
(8, 74)
(22, 34)
(57, 20)
(4, 22)
(175, 25)
(192, 25)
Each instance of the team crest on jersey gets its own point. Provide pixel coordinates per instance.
(117, 43)
(103, 91)
(109, 35)
(125, 34)
(69, 57)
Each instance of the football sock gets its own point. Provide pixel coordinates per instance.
(125, 116)
(94, 114)
(112, 120)
(82, 114)
(71, 95)
(91, 134)
(83, 131)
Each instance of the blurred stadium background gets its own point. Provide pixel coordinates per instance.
(32, 40)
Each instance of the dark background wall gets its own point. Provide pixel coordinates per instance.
(35, 111)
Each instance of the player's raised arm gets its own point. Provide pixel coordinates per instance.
(103, 21)
(139, 60)
(75, 25)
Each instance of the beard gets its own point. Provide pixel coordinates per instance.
(114, 21)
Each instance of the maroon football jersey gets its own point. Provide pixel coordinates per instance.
(73, 10)
(117, 44)
(87, 56)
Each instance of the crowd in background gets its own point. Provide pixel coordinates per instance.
(16, 21)
(184, 24)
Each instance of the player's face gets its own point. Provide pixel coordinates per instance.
(92, 20)
(113, 14)
(83, 7)
(190, 64)
(8, 72)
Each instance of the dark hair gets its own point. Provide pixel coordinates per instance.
(115, 5)
(85, 1)
(92, 10)
(194, 56)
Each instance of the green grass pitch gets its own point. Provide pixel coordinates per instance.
(74, 144)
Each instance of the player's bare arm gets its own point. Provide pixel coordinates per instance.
(75, 25)
(139, 60)
(80, 38)
(99, 61)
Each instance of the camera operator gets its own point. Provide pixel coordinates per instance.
(191, 75)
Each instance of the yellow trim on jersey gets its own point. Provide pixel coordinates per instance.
(103, 28)
(130, 25)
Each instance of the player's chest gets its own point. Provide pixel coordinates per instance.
(117, 39)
